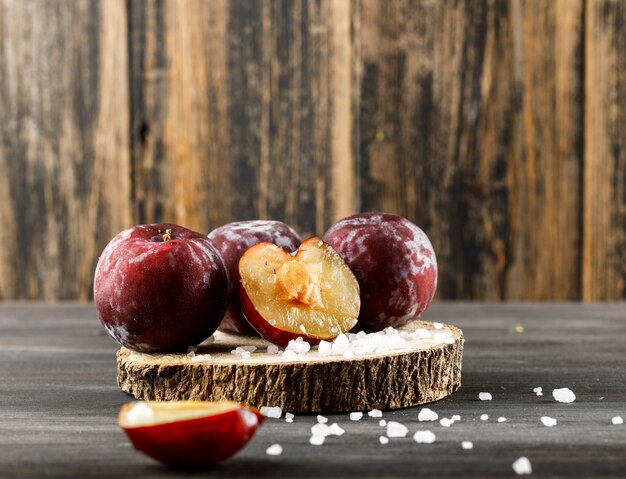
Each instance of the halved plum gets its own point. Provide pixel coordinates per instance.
(188, 433)
(312, 295)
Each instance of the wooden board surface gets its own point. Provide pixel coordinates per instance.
(59, 401)
(426, 369)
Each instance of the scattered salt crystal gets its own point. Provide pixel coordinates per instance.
(322, 419)
(617, 420)
(440, 337)
(320, 429)
(427, 415)
(273, 412)
(484, 396)
(424, 437)
(501, 419)
(289, 417)
(484, 417)
(243, 351)
(340, 344)
(548, 421)
(298, 346)
(324, 348)
(249, 348)
(383, 439)
(445, 422)
(564, 395)
(356, 416)
(395, 429)
(274, 450)
(390, 331)
(245, 354)
(191, 351)
(335, 430)
(375, 413)
(455, 417)
(201, 357)
(538, 391)
(317, 440)
(382, 423)
(448, 340)
(348, 354)
(289, 355)
(438, 325)
(272, 349)
(467, 445)
(420, 333)
(522, 466)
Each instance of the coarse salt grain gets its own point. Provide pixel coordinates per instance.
(272, 349)
(322, 419)
(298, 346)
(424, 437)
(427, 415)
(617, 420)
(340, 344)
(501, 419)
(438, 325)
(335, 430)
(324, 348)
(383, 439)
(563, 395)
(375, 413)
(274, 450)
(395, 429)
(273, 412)
(445, 422)
(320, 429)
(348, 354)
(522, 466)
(485, 396)
(467, 445)
(455, 417)
(289, 355)
(317, 440)
(201, 357)
(538, 391)
(356, 416)
(548, 421)
(382, 423)
(484, 417)
(289, 417)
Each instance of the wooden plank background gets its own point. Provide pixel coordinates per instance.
(495, 125)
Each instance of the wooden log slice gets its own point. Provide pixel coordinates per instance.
(426, 369)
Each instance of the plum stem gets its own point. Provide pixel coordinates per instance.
(167, 236)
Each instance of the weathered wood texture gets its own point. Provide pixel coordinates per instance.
(470, 122)
(425, 371)
(242, 110)
(60, 400)
(64, 151)
(604, 247)
(496, 125)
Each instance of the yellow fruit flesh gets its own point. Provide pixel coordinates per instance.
(313, 293)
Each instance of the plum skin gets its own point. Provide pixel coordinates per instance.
(156, 296)
(232, 240)
(394, 263)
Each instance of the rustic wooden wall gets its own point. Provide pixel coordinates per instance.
(496, 125)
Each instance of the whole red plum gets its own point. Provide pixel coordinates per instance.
(232, 240)
(160, 288)
(394, 264)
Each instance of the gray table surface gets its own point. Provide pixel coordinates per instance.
(59, 401)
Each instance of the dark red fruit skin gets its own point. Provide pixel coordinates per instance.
(156, 297)
(394, 263)
(274, 335)
(197, 442)
(232, 240)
